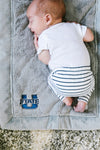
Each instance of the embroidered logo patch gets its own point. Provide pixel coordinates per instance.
(29, 103)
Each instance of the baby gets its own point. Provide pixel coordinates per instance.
(61, 46)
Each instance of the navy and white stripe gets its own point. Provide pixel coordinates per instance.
(72, 82)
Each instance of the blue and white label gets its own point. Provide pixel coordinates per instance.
(29, 103)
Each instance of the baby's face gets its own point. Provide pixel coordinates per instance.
(36, 22)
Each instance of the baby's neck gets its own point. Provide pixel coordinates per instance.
(56, 21)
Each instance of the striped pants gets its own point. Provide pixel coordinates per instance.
(72, 82)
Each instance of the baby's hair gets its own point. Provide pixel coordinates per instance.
(55, 7)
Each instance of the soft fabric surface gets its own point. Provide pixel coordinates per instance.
(23, 73)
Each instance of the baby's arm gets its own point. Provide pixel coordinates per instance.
(88, 36)
(44, 56)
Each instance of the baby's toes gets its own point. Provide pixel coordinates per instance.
(77, 109)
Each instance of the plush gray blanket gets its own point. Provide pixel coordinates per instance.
(22, 72)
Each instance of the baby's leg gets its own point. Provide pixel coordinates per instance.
(68, 101)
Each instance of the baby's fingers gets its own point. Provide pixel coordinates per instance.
(36, 41)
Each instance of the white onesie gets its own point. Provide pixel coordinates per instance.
(71, 74)
(65, 44)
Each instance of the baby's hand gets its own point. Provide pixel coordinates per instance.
(36, 41)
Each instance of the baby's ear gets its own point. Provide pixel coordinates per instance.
(48, 19)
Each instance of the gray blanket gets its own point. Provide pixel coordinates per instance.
(22, 72)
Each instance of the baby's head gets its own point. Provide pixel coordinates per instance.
(44, 13)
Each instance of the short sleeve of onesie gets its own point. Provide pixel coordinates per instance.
(81, 29)
(42, 43)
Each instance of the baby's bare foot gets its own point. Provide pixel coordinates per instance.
(68, 101)
(80, 106)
